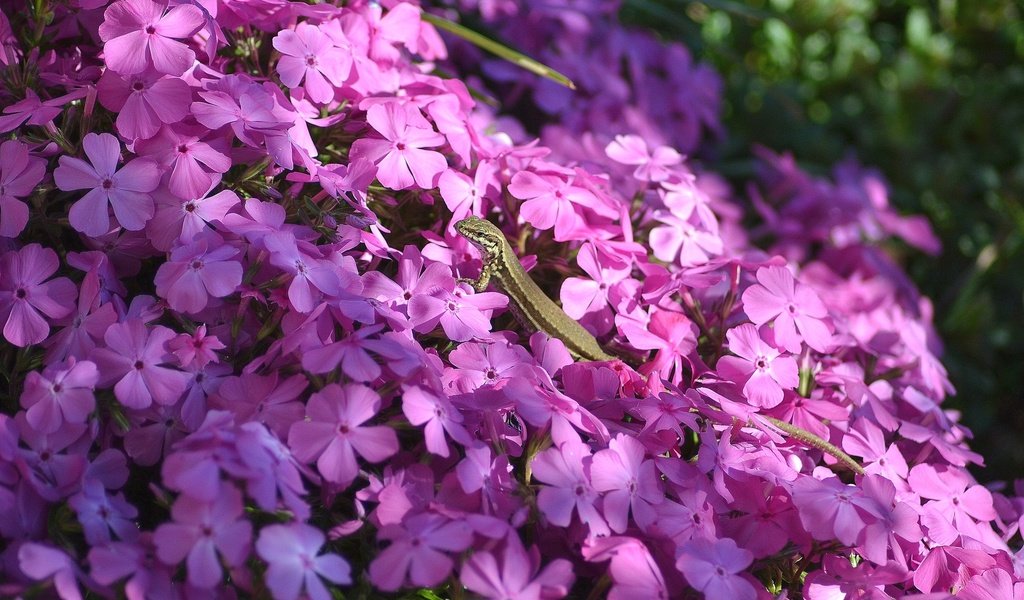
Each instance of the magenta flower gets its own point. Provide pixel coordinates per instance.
(711, 566)
(400, 157)
(26, 297)
(481, 364)
(633, 571)
(32, 111)
(134, 357)
(516, 573)
(798, 313)
(143, 101)
(629, 483)
(294, 562)
(139, 34)
(951, 493)
(61, 394)
(632, 150)
(418, 551)
(464, 196)
(202, 530)
(198, 348)
(333, 432)
(253, 397)
(584, 298)
(308, 53)
(569, 489)
(126, 190)
(761, 369)
(197, 272)
(19, 175)
(994, 584)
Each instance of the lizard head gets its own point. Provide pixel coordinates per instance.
(483, 234)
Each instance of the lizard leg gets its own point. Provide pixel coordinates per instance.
(480, 283)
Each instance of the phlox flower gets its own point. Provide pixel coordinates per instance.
(994, 584)
(830, 509)
(87, 323)
(513, 573)
(143, 101)
(200, 531)
(401, 157)
(198, 348)
(134, 562)
(462, 316)
(633, 570)
(101, 513)
(33, 110)
(62, 393)
(27, 298)
(671, 333)
(138, 34)
(479, 364)
(181, 221)
(310, 274)
(42, 562)
(262, 398)
(797, 311)
(952, 493)
(436, 414)
(629, 483)
(294, 562)
(350, 353)
(51, 463)
(192, 164)
(126, 190)
(761, 369)
(419, 549)
(632, 150)
(309, 54)
(678, 240)
(464, 196)
(564, 469)
(549, 201)
(333, 432)
(711, 566)
(588, 298)
(196, 272)
(135, 357)
(19, 174)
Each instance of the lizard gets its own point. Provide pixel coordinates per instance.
(532, 306)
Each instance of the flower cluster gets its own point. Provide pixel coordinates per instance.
(242, 357)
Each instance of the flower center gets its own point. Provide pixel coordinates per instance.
(197, 264)
(138, 86)
(310, 60)
(107, 184)
(20, 293)
(138, 365)
(190, 206)
(150, 29)
(182, 148)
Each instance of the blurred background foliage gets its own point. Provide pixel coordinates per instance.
(932, 94)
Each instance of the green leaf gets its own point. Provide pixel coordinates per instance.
(517, 58)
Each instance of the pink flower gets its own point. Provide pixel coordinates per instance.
(333, 432)
(761, 369)
(310, 274)
(633, 570)
(584, 298)
(135, 357)
(400, 157)
(198, 348)
(481, 364)
(437, 415)
(197, 272)
(629, 483)
(200, 531)
(513, 573)
(140, 34)
(711, 566)
(178, 221)
(797, 311)
(994, 584)
(953, 494)
(632, 150)
(253, 397)
(19, 175)
(308, 53)
(418, 551)
(464, 196)
(26, 297)
(564, 469)
(143, 101)
(550, 200)
(678, 240)
(462, 316)
(294, 562)
(125, 190)
(830, 509)
(61, 394)
(191, 163)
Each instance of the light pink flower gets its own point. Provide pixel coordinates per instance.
(309, 54)
(143, 101)
(632, 150)
(762, 370)
(797, 311)
(127, 190)
(139, 34)
(295, 564)
(401, 157)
